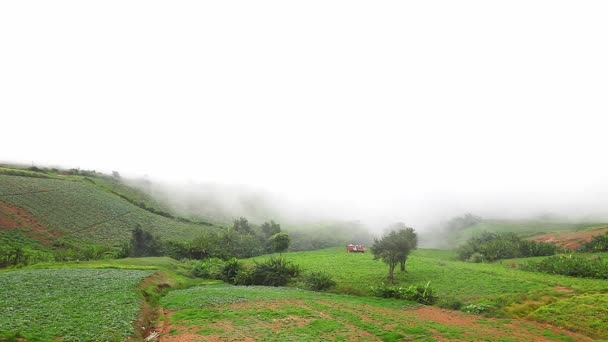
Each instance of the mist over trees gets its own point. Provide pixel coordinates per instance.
(394, 247)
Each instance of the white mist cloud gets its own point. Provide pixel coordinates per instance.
(377, 109)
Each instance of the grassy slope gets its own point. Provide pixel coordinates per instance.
(522, 228)
(84, 212)
(497, 285)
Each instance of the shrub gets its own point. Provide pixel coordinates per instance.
(230, 270)
(476, 257)
(211, 268)
(475, 308)
(598, 243)
(244, 276)
(571, 265)
(422, 294)
(495, 246)
(450, 303)
(273, 272)
(319, 281)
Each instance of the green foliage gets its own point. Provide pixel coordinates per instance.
(495, 246)
(571, 265)
(230, 270)
(395, 246)
(318, 281)
(279, 242)
(208, 268)
(275, 271)
(450, 303)
(241, 225)
(598, 243)
(71, 304)
(143, 244)
(270, 228)
(476, 257)
(475, 308)
(422, 294)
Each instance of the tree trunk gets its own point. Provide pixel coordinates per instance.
(402, 261)
(391, 271)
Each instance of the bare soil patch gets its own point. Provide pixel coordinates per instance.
(447, 317)
(13, 217)
(570, 240)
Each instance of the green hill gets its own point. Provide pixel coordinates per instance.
(523, 228)
(52, 209)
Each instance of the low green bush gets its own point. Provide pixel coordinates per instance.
(475, 308)
(489, 246)
(275, 271)
(571, 265)
(230, 270)
(598, 243)
(211, 268)
(422, 294)
(450, 303)
(318, 281)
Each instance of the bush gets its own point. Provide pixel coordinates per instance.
(319, 281)
(422, 294)
(475, 308)
(571, 265)
(211, 268)
(230, 270)
(598, 243)
(495, 246)
(272, 272)
(476, 257)
(450, 303)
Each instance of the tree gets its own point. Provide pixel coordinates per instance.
(407, 241)
(395, 246)
(143, 243)
(270, 228)
(241, 225)
(280, 242)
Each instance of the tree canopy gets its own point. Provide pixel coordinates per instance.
(394, 247)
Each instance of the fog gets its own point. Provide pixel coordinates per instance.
(222, 202)
(412, 112)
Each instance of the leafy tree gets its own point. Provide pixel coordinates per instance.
(406, 240)
(270, 228)
(280, 242)
(241, 225)
(394, 247)
(143, 243)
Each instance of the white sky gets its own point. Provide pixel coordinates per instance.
(389, 106)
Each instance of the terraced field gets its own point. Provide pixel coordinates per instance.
(69, 304)
(222, 313)
(82, 212)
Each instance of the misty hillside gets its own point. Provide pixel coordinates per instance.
(46, 209)
(49, 211)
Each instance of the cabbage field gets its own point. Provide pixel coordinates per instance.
(87, 213)
(69, 304)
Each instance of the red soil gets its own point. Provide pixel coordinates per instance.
(570, 240)
(13, 217)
